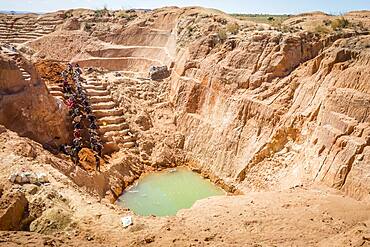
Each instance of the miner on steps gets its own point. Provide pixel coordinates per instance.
(97, 162)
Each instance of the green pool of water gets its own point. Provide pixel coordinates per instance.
(164, 193)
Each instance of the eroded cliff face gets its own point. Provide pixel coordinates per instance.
(261, 108)
(26, 106)
(272, 110)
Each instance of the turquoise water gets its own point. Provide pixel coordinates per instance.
(164, 193)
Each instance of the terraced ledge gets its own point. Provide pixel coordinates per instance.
(136, 64)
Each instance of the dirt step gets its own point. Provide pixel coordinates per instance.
(16, 34)
(27, 29)
(55, 88)
(128, 145)
(57, 93)
(106, 113)
(95, 87)
(107, 131)
(24, 35)
(112, 127)
(118, 138)
(94, 82)
(17, 41)
(49, 22)
(10, 53)
(45, 27)
(100, 99)
(92, 92)
(103, 105)
(42, 32)
(122, 133)
(59, 97)
(111, 120)
(110, 147)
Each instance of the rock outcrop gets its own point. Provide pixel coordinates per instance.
(158, 72)
(13, 206)
(276, 110)
(27, 107)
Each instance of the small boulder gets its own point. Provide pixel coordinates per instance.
(28, 178)
(158, 72)
(2, 129)
(143, 121)
(126, 221)
(72, 24)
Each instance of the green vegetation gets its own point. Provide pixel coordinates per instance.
(321, 30)
(88, 27)
(101, 12)
(190, 29)
(327, 22)
(129, 15)
(222, 34)
(68, 14)
(360, 27)
(340, 23)
(122, 14)
(262, 18)
(232, 28)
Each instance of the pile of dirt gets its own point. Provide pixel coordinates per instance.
(50, 71)
(62, 45)
(88, 160)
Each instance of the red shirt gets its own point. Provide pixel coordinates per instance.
(76, 133)
(70, 103)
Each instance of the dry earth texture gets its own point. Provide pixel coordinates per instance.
(277, 113)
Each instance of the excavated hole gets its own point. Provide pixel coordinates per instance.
(166, 192)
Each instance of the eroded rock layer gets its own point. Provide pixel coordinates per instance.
(25, 104)
(296, 107)
(278, 112)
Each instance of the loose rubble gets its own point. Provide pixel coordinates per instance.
(158, 72)
(28, 178)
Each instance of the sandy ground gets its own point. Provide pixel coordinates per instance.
(296, 217)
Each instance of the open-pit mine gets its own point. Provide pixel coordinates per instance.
(184, 127)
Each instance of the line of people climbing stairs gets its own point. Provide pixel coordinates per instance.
(83, 120)
(111, 126)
